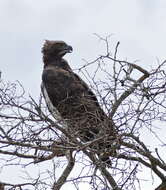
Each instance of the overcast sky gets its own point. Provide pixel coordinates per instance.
(24, 24)
(140, 26)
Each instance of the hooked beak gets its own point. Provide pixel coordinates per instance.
(70, 49)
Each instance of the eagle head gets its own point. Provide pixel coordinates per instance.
(55, 49)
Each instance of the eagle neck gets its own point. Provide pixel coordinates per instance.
(53, 62)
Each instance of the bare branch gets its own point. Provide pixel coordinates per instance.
(57, 185)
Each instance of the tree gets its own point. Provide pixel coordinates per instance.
(133, 97)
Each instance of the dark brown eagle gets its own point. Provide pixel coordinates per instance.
(66, 92)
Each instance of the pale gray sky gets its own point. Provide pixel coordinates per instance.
(138, 25)
(24, 24)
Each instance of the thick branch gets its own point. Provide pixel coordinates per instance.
(127, 93)
(57, 185)
(104, 171)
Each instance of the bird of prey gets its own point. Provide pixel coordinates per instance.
(67, 93)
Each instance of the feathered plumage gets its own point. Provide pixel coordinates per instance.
(66, 92)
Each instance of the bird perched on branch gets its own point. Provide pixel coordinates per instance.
(66, 92)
